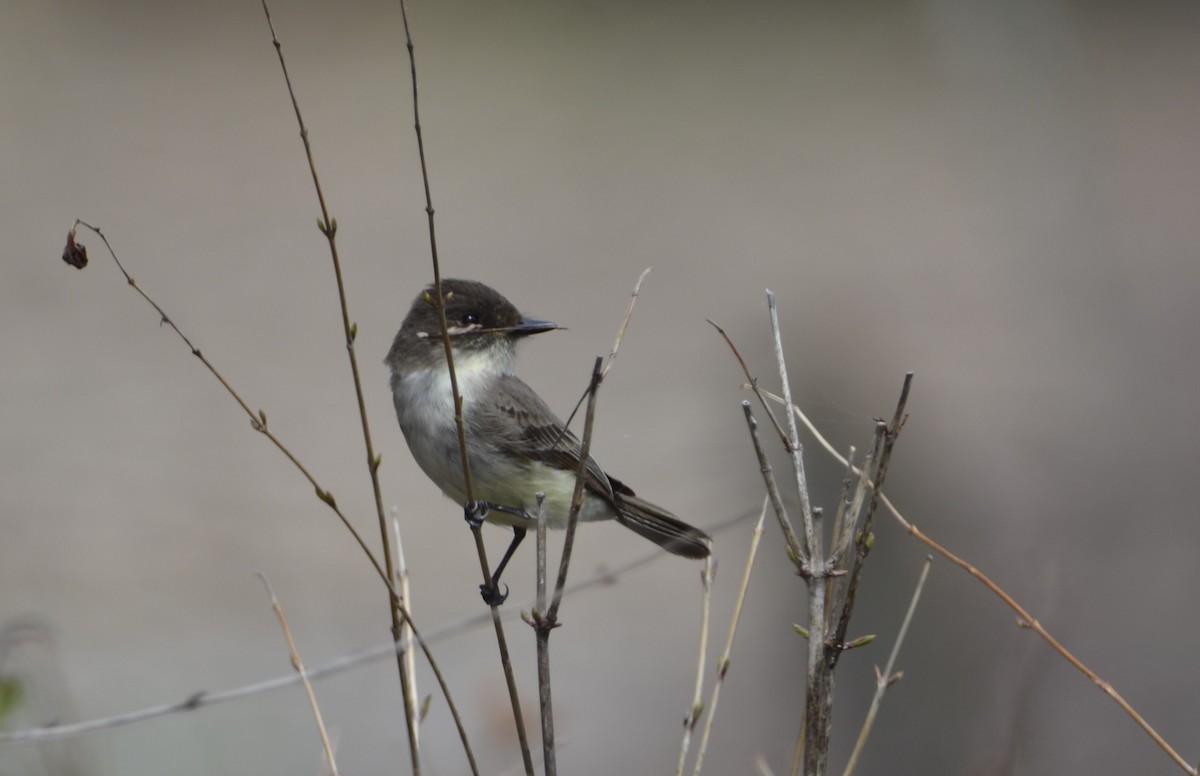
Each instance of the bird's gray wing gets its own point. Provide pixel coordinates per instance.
(518, 419)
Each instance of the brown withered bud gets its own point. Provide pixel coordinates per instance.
(75, 253)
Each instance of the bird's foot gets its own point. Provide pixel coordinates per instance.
(475, 512)
(492, 595)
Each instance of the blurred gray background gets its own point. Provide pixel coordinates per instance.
(999, 196)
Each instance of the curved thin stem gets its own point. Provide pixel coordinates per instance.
(258, 422)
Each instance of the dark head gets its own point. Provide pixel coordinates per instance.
(479, 320)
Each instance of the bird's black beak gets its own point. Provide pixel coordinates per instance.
(529, 326)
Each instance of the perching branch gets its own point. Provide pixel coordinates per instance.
(440, 305)
(544, 619)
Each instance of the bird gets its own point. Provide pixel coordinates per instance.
(516, 446)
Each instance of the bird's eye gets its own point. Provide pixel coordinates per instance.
(470, 319)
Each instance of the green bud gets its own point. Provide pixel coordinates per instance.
(327, 497)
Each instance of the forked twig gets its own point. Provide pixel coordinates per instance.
(545, 618)
(818, 691)
(585, 445)
(886, 679)
(1024, 619)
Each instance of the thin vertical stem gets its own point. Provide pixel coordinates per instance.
(328, 227)
(542, 637)
(440, 306)
(885, 680)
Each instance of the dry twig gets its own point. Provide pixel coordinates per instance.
(886, 679)
(692, 717)
(725, 661)
(258, 422)
(545, 618)
(328, 227)
(298, 664)
(440, 306)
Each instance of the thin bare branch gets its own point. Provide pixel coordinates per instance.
(545, 619)
(258, 422)
(298, 664)
(863, 540)
(1025, 620)
(818, 700)
(599, 370)
(753, 383)
(612, 355)
(692, 717)
(328, 226)
(440, 306)
(885, 680)
(845, 503)
(577, 497)
(795, 553)
(725, 661)
(793, 446)
(542, 635)
(404, 592)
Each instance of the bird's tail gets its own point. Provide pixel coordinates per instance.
(662, 528)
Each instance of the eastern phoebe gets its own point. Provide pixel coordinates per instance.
(516, 445)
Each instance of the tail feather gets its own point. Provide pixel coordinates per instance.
(662, 528)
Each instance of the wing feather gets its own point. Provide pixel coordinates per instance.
(518, 421)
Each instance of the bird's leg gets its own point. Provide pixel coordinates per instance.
(491, 593)
(475, 513)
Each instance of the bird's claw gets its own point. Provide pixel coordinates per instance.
(492, 595)
(475, 513)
